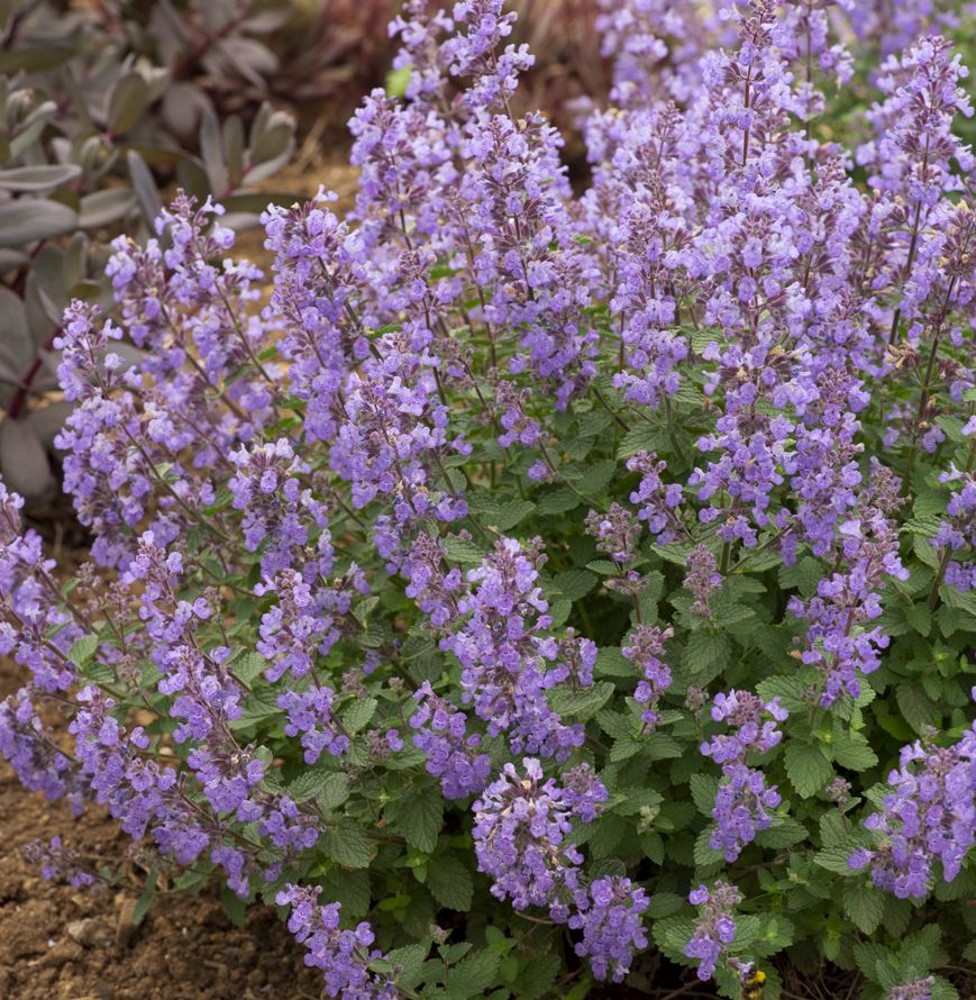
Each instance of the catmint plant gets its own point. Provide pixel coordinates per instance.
(518, 584)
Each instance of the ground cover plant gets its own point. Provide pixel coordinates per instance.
(536, 584)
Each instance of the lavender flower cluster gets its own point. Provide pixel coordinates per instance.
(743, 803)
(507, 513)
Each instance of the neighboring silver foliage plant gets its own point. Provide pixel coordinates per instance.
(88, 120)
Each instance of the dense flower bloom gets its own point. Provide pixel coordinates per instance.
(521, 824)
(453, 755)
(310, 716)
(837, 641)
(918, 989)
(645, 648)
(743, 800)
(928, 816)
(957, 533)
(342, 955)
(658, 503)
(715, 929)
(611, 926)
(316, 595)
(502, 646)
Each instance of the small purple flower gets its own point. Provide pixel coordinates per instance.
(743, 801)
(612, 927)
(928, 816)
(521, 825)
(453, 755)
(917, 989)
(715, 929)
(342, 955)
(645, 649)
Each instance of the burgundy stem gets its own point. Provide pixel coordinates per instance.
(19, 400)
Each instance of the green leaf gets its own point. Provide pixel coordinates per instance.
(329, 788)
(260, 706)
(672, 934)
(450, 883)
(807, 768)
(464, 552)
(357, 715)
(851, 750)
(731, 614)
(707, 856)
(665, 904)
(473, 976)
(942, 989)
(127, 101)
(583, 704)
(834, 829)
(616, 724)
(34, 59)
(234, 906)
(661, 746)
(675, 552)
(785, 832)
(143, 186)
(597, 478)
(624, 748)
(652, 844)
(606, 836)
(249, 667)
(420, 818)
(864, 904)
(332, 790)
(775, 933)
(791, 690)
(704, 788)
(610, 662)
(536, 977)
(23, 459)
(836, 860)
(83, 649)
(40, 178)
(409, 960)
(346, 845)
(558, 501)
(559, 610)
(870, 957)
(919, 616)
(916, 707)
(350, 889)
(146, 897)
(212, 150)
(510, 514)
(575, 583)
(594, 422)
(706, 654)
(643, 437)
(803, 575)
(926, 552)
